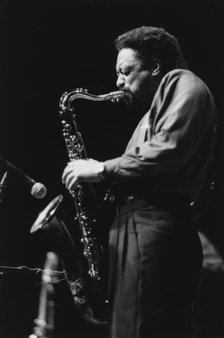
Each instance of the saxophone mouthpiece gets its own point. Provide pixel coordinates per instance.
(115, 96)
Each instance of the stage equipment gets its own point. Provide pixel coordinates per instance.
(3, 185)
(37, 189)
(44, 323)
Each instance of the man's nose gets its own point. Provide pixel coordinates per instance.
(120, 81)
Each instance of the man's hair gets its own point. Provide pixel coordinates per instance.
(153, 43)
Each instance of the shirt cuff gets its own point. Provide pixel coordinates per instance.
(112, 167)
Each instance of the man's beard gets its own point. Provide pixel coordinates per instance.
(135, 104)
(130, 100)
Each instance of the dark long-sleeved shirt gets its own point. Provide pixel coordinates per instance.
(172, 147)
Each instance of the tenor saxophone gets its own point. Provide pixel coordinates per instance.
(83, 194)
(87, 287)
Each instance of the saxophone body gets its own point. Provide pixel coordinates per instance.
(83, 265)
(83, 195)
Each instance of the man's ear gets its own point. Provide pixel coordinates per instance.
(156, 67)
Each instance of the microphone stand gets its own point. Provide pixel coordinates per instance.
(7, 269)
(3, 185)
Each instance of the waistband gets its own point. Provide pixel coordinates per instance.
(162, 200)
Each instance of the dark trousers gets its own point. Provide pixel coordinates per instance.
(155, 258)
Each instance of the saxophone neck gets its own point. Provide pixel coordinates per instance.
(79, 93)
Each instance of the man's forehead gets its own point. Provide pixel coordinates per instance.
(126, 56)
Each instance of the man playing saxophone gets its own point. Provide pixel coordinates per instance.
(155, 253)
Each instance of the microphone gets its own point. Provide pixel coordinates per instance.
(37, 189)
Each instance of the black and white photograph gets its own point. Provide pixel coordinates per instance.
(111, 169)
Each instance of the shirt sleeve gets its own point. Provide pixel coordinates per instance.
(176, 129)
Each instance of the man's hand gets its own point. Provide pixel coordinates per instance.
(78, 171)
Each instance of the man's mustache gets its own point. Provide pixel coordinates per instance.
(128, 96)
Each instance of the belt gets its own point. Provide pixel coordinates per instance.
(164, 200)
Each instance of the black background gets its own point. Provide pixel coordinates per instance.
(46, 48)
